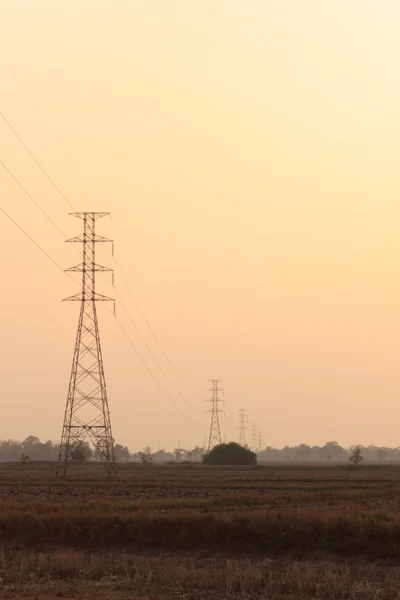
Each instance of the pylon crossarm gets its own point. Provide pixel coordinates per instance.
(82, 239)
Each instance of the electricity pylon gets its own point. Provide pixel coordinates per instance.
(254, 440)
(242, 427)
(260, 441)
(215, 430)
(87, 415)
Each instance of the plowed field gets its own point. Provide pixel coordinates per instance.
(200, 532)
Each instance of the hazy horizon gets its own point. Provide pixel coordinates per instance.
(247, 154)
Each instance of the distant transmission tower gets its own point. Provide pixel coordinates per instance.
(242, 427)
(87, 416)
(254, 439)
(260, 441)
(215, 430)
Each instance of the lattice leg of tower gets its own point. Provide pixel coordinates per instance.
(87, 416)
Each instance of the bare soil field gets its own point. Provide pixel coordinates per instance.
(188, 531)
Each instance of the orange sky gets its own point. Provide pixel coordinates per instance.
(248, 154)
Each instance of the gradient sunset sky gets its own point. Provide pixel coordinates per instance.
(249, 154)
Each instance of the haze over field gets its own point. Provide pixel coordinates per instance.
(248, 153)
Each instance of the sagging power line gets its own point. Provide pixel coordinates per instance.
(33, 241)
(56, 187)
(117, 292)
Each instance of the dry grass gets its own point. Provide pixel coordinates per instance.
(296, 532)
(64, 573)
(76, 538)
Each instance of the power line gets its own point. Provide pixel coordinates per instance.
(31, 238)
(119, 295)
(31, 197)
(37, 162)
(152, 375)
(40, 248)
(47, 217)
(151, 329)
(116, 262)
(73, 208)
(118, 321)
(152, 354)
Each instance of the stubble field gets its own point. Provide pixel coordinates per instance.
(194, 532)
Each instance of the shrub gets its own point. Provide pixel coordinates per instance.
(230, 454)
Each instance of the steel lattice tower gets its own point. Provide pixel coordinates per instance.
(260, 441)
(215, 430)
(242, 427)
(87, 415)
(254, 440)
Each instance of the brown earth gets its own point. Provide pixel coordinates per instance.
(276, 532)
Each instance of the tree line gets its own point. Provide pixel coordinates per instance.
(33, 449)
(331, 451)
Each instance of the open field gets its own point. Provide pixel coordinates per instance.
(178, 531)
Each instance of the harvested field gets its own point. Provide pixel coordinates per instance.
(109, 576)
(201, 532)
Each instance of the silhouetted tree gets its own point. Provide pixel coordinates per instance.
(82, 453)
(230, 454)
(356, 455)
(146, 458)
(332, 451)
(162, 457)
(121, 453)
(303, 451)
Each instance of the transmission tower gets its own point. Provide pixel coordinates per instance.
(215, 430)
(254, 439)
(260, 441)
(242, 427)
(87, 415)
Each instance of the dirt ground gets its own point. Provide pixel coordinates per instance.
(278, 532)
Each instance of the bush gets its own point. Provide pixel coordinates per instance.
(230, 454)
